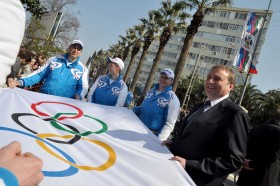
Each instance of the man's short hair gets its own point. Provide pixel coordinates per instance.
(231, 74)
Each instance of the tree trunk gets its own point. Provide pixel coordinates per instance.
(191, 31)
(138, 69)
(125, 53)
(153, 70)
(182, 62)
(126, 76)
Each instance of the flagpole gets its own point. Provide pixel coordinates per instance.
(253, 55)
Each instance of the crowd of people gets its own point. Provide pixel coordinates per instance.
(211, 141)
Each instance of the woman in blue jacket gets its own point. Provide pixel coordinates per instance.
(160, 108)
(109, 89)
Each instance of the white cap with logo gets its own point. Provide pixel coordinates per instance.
(117, 61)
(168, 72)
(78, 42)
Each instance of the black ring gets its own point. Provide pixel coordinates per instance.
(76, 138)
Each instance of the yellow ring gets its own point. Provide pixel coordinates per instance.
(111, 160)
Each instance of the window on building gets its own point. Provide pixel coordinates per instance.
(239, 15)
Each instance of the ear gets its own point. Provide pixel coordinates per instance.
(231, 86)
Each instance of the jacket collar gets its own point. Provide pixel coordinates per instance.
(117, 80)
(72, 64)
(156, 86)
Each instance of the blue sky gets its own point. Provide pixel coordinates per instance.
(102, 21)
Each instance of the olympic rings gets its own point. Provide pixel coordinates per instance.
(75, 135)
(111, 160)
(67, 172)
(34, 105)
(16, 116)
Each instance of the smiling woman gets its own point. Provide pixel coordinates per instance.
(109, 89)
(160, 108)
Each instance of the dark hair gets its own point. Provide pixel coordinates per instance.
(26, 57)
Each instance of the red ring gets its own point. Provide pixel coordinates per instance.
(34, 105)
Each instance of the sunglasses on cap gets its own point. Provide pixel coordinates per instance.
(77, 46)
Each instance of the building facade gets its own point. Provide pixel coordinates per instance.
(217, 42)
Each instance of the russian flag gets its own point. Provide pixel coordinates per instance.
(253, 69)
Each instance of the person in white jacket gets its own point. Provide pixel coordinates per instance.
(16, 168)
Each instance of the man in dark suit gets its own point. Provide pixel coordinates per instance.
(211, 142)
(262, 164)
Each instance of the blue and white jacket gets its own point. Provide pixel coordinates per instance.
(159, 111)
(106, 91)
(60, 78)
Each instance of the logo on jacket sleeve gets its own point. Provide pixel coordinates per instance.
(54, 65)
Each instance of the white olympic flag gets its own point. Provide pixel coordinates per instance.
(86, 144)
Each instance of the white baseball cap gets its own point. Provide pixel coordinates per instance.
(117, 61)
(78, 42)
(168, 72)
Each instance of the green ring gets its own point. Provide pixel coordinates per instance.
(58, 126)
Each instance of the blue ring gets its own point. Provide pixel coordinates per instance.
(67, 172)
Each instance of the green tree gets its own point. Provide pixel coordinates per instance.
(201, 7)
(137, 34)
(265, 108)
(116, 50)
(69, 24)
(34, 7)
(100, 63)
(126, 42)
(197, 93)
(172, 19)
(252, 96)
(44, 46)
(151, 28)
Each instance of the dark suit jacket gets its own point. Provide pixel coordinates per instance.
(214, 144)
(264, 151)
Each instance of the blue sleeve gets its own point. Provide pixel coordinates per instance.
(136, 110)
(8, 177)
(36, 76)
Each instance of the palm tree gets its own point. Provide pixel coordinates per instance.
(116, 50)
(172, 19)
(252, 102)
(201, 6)
(126, 42)
(137, 34)
(90, 64)
(265, 110)
(100, 63)
(251, 97)
(196, 95)
(151, 28)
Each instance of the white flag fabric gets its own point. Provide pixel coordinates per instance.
(86, 144)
